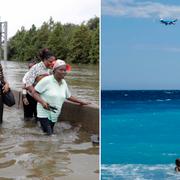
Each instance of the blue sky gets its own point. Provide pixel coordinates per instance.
(137, 51)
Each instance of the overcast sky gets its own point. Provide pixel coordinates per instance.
(20, 13)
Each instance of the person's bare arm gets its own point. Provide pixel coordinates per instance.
(30, 79)
(31, 89)
(74, 99)
(38, 98)
(5, 88)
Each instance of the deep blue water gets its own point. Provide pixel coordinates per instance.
(140, 134)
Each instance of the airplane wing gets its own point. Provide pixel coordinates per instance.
(166, 23)
(173, 22)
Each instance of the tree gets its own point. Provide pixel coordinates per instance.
(81, 43)
(73, 43)
(94, 51)
(16, 45)
(93, 23)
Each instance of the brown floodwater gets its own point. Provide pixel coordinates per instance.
(27, 153)
(83, 80)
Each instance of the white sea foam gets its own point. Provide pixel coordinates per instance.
(139, 172)
(168, 99)
(161, 100)
(169, 92)
(169, 154)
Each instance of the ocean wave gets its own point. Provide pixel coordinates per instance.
(139, 172)
(169, 154)
(140, 95)
(169, 92)
(163, 99)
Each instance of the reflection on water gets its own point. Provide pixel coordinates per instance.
(26, 153)
(83, 80)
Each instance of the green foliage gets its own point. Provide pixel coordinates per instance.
(80, 46)
(94, 50)
(73, 43)
(93, 23)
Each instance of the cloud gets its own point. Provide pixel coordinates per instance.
(137, 9)
(156, 47)
(171, 49)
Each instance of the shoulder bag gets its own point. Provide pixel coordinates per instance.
(8, 98)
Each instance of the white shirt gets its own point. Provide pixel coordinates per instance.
(37, 70)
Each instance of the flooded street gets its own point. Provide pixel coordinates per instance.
(83, 80)
(27, 153)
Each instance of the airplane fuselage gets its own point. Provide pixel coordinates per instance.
(168, 22)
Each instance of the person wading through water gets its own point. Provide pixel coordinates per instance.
(29, 103)
(51, 93)
(4, 88)
(39, 70)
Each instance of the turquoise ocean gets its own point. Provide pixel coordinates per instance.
(140, 134)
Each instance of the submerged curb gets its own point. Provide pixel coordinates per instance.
(87, 116)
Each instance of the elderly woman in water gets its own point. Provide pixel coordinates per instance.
(51, 93)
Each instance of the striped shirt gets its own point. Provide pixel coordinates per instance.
(1, 74)
(37, 70)
(2, 82)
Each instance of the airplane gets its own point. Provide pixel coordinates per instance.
(168, 22)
